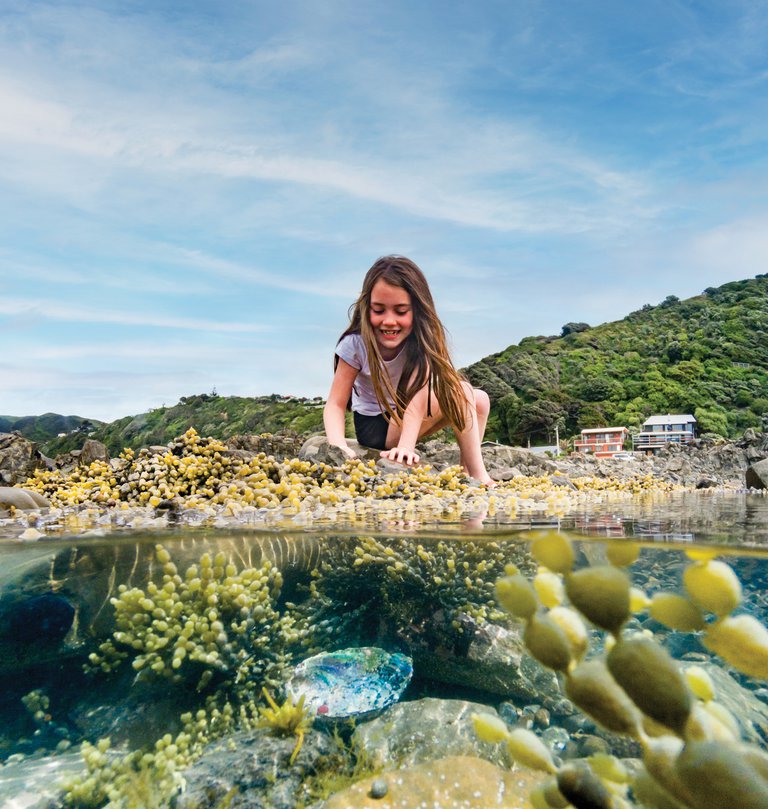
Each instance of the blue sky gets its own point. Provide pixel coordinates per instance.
(191, 193)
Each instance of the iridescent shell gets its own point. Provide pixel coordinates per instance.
(350, 682)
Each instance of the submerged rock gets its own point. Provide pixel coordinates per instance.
(413, 732)
(464, 781)
(493, 659)
(250, 770)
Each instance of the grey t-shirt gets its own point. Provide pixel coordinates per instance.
(352, 350)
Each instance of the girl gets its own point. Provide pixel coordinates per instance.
(392, 365)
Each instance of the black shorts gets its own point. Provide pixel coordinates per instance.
(371, 431)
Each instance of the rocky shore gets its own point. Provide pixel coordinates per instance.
(279, 480)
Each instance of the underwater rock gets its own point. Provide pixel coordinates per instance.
(756, 476)
(412, 732)
(350, 682)
(494, 659)
(42, 619)
(744, 705)
(250, 770)
(456, 781)
(35, 783)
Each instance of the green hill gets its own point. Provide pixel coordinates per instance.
(48, 426)
(707, 355)
(210, 414)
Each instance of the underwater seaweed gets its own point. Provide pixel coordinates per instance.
(693, 757)
(387, 591)
(215, 619)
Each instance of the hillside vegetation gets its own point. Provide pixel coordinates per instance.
(707, 355)
(210, 414)
(47, 426)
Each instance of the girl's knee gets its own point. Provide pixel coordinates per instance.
(482, 402)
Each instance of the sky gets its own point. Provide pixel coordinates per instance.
(192, 192)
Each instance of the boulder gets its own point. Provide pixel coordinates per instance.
(454, 781)
(410, 733)
(756, 476)
(23, 499)
(19, 458)
(493, 659)
(251, 770)
(93, 451)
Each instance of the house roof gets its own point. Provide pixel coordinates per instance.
(591, 430)
(674, 418)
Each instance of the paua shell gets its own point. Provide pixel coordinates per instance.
(350, 682)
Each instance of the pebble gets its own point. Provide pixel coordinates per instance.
(379, 788)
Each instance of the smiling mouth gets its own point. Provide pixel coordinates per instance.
(390, 332)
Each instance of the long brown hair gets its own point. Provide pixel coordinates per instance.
(427, 361)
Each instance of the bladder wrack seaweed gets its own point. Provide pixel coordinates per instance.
(693, 757)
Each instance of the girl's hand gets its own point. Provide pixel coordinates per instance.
(349, 453)
(401, 455)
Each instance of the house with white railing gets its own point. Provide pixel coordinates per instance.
(658, 431)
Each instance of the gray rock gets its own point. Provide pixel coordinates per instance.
(250, 770)
(756, 476)
(494, 660)
(748, 710)
(316, 449)
(423, 730)
(23, 499)
(280, 445)
(93, 451)
(19, 458)
(506, 473)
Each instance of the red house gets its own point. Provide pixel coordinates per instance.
(602, 442)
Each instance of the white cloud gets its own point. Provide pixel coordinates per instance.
(52, 310)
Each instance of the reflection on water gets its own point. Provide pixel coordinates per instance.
(428, 593)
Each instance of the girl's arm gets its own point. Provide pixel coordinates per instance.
(413, 422)
(335, 411)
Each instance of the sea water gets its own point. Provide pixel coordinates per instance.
(422, 591)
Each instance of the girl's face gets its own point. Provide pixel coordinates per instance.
(391, 317)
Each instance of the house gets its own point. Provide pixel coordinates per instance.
(602, 442)
(658, 431)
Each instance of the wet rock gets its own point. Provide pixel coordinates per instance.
(35, 783)
(455, 781)
(706, 483)
(750, 711)
(412, 732)
(22, 499)
(493, 659)
(19, 458)
(757, 475)
(250, 770)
